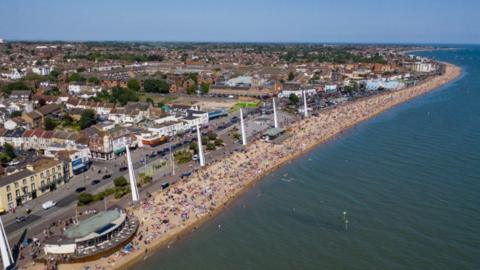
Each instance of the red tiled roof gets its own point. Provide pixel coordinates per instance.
(28, 133)
(38, 133)
(47, 134)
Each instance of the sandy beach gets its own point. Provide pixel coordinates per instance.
(169, 215)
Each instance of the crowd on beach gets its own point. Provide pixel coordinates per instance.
(165, 214)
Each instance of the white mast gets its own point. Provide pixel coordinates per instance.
(275, 120)
(305, 108)
(242, 126)
(131, 175)
(172, 160)
(7, 258)
(200, 148)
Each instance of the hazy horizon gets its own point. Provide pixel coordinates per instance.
(268, 21)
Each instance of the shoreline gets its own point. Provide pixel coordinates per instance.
(329, 124)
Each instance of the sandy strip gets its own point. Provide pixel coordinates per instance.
(181, 209)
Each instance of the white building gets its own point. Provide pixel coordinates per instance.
(168, 129)
(15, 74)
(43, 71)
(84, 91)
(298, 93)
(423, 67)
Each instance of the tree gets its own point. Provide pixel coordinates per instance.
(4, 159)
(94, 80)
(85, 198)
(293, 99)
(204, 140)
(9, 151)
(194, 147)
(211, 135)
(88, 118)
(75, 77)
(210, 146)
(205, 87)
(49, 123)
(191, 90)
(120, 181)
(122, 95)
(291, 76)
(156, 86)
(54, 91)
(193, 77)
(218, 142)
(149, 100)
(54, 74)
(67, 120)
(34, 77)
(7, 89)
(133, 84)
(15, 114)
(183, 156)
(42, 102)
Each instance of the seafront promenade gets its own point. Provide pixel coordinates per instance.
(168, 215)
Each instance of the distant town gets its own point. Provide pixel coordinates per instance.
(70, 112)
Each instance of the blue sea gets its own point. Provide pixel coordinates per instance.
(408, 180)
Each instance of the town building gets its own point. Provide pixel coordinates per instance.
(40, 177)
(96, 236)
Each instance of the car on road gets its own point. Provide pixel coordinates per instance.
(48, 204)
(106, 176)
(80, 189)
(165, 185)
(20, 219)
(96, 181)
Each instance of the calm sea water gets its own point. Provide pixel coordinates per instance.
(408, 179)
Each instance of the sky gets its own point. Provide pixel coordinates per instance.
(363, 21)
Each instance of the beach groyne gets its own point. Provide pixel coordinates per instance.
(172, 214)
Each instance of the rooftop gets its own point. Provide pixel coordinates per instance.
(93, 224)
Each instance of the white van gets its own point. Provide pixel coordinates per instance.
(48, 204)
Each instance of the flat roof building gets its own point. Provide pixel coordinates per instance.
(98, 235)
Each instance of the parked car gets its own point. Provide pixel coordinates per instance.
(96, 181)
(106, 176)
(20, 219)
(165, 185)
(124, 168)
(48, 204)
(80, 189)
